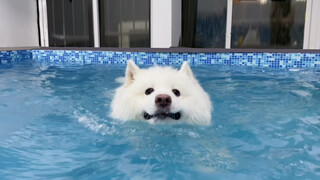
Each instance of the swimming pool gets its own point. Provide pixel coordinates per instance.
(54, 124)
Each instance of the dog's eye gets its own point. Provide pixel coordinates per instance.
(176, 92)
(149, 91)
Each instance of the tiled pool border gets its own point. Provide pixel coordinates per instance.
(276, 60)
(8, 56)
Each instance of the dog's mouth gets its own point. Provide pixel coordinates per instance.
(162, 115)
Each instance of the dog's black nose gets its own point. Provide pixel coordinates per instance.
(163, 100)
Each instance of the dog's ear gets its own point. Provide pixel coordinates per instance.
(185, 68)
(131, 72)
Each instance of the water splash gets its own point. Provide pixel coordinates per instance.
(94, 123)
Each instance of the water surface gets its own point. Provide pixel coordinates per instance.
(55, 124)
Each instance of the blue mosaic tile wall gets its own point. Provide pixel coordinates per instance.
(271, 60)
(109, 57)
(7, 57)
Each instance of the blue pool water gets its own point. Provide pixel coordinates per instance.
(54, 124)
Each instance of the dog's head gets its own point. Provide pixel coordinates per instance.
(161, 94)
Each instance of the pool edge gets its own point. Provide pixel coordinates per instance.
(276, 59)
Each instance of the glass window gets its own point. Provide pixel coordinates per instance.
(268, 23)
(70, 23)
(125, 23)
(203, 23)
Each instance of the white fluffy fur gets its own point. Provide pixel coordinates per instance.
(130, 100)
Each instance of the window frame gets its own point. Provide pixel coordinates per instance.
(311, 39)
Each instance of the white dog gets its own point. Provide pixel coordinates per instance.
(161, 94)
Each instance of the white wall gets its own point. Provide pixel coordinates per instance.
(18, 23)
(160, 23)
(312, 25)
(165, 23)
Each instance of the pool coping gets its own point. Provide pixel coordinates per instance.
(17, 48)
(182, 50)
(165, 50)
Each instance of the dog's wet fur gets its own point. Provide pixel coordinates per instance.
(161, 95)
